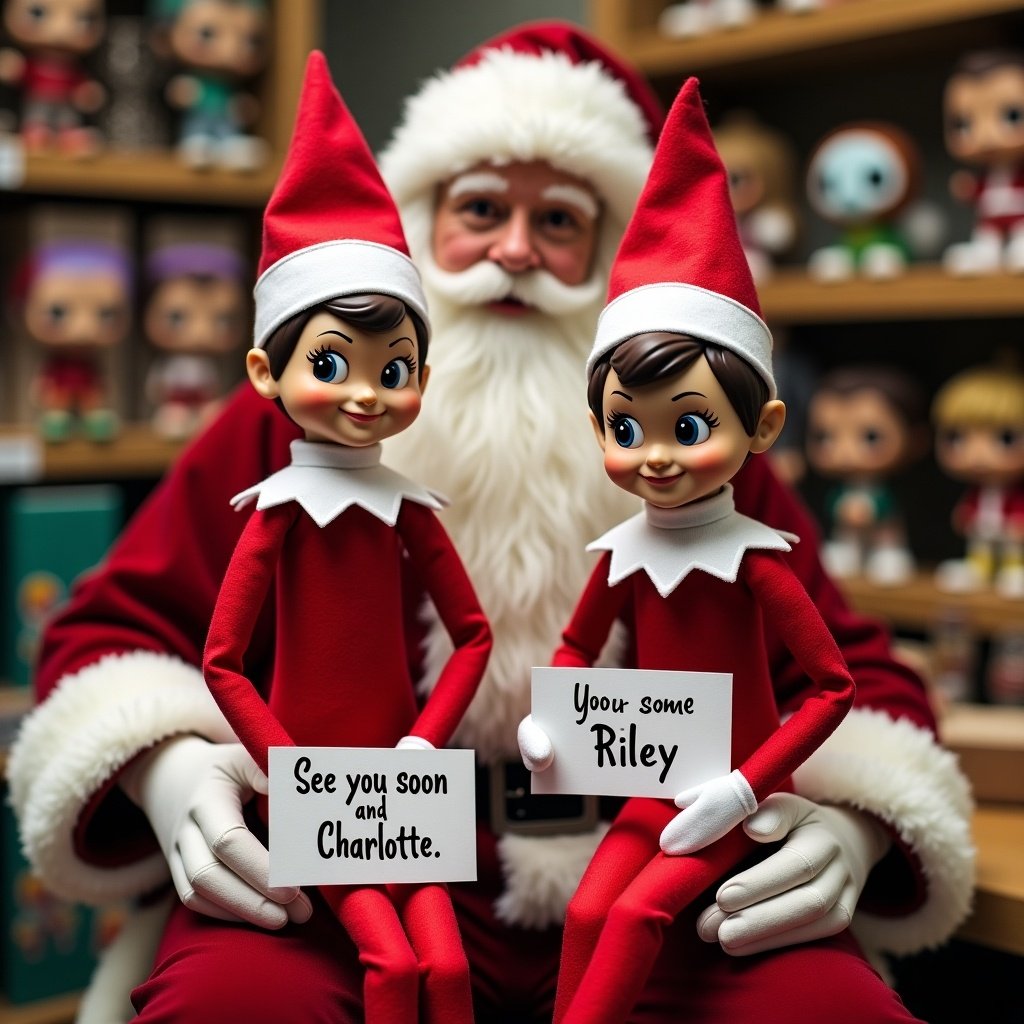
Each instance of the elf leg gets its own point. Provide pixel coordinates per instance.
(429, 920)
(624, 852)
(632, 936)
(391, 985)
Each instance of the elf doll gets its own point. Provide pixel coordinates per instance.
(681, 392)
(340, 344)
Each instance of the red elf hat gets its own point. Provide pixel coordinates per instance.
(331, 227)
(681, 267)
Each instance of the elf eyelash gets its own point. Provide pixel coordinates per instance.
(707, 416)
(615, 417)
(409, 362)
(321, 351)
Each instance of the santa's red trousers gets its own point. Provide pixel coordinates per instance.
(209, 971)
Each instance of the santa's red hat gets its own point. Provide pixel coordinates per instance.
(681, 267)
(540, 91)
(331, 227)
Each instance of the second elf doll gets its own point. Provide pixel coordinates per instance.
(682, 393)
(341, 342)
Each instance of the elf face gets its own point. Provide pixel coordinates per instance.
(68, 310)
(985, 116)
(523, 217)
(677, 440)
(60, 26)
(196, 315)
(344, 385)
(220, 36)
(982, 454)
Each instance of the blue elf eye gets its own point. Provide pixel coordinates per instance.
(692, 429)
(628, 432)
(395, 375)
(329, 367)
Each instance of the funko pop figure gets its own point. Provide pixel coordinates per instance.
(984, 126)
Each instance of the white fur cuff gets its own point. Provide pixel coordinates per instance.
(93, 723)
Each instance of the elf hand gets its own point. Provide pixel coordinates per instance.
(806, 890)
(711, 810)
(534, 745)
(414, 743)
(192, 792)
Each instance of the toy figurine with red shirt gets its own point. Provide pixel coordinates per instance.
(681, 392)
(76, 297)
(984, 125)
(340, 343)
(51, 40)
(979, 440)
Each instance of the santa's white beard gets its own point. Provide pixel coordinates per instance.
(504, 433)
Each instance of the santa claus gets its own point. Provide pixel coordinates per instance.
(515, 173)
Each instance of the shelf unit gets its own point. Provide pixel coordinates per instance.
(59, 1010)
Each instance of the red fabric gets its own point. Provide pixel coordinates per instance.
(631, 891)
(307, 205)
(989, 193)
(51, 77)
(209, 970)
(69, 380)
(1011, 509)
(341, 675)
(539, 37)
(684, 227)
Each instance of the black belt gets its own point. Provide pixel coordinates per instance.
(504, 799)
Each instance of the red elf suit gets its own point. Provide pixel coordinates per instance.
(337, 533)
(697, 584)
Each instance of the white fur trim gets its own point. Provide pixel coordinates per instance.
(519, 107)
(331, 270)
(686, 309)
(94, 723)
(541, 874)
(899, 773)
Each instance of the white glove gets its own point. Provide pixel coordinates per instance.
(414, 743)
(712, 809)
(806, 890)
(192, 792)
(534, 745)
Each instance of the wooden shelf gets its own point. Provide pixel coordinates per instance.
(58, 1010)
(997, 920)
(774, 37)
(150, 176)
(137, 452)
(923, 292)
(919, 605)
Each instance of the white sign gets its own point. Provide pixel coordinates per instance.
(362, 815)
(632, 732)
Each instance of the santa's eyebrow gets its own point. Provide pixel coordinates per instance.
(628, 398)
(687, 394)
(338, 334)
(477, 181)
(574, 196)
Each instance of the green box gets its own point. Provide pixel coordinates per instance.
(49, 947)
(53, 534)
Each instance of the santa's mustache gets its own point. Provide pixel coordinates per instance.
(486, 282)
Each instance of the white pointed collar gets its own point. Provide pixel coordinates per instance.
(326, 479)
(668, 544)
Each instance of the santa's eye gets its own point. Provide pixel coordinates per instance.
(627, 431)
(328, 366)
(396, 374)
(694, 428)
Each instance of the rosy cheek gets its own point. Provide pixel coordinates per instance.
(620, 463)
(406, 403)
(707, 458)
(456, 248)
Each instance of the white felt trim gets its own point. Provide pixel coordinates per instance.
(522, 107)
(331, 270)
(899, 773)
(93, 723)
(686, 309)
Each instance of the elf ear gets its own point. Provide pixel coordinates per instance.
(424, 377)
(769, 426)
(598, 430)
(257, 366)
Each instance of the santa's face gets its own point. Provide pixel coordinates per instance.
(344, 385)
(675, 440)
(525, 218)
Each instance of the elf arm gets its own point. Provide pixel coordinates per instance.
(598, 608)
(242, 594)
(437, 567)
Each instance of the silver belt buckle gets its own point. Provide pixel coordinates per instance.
(515, 812)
